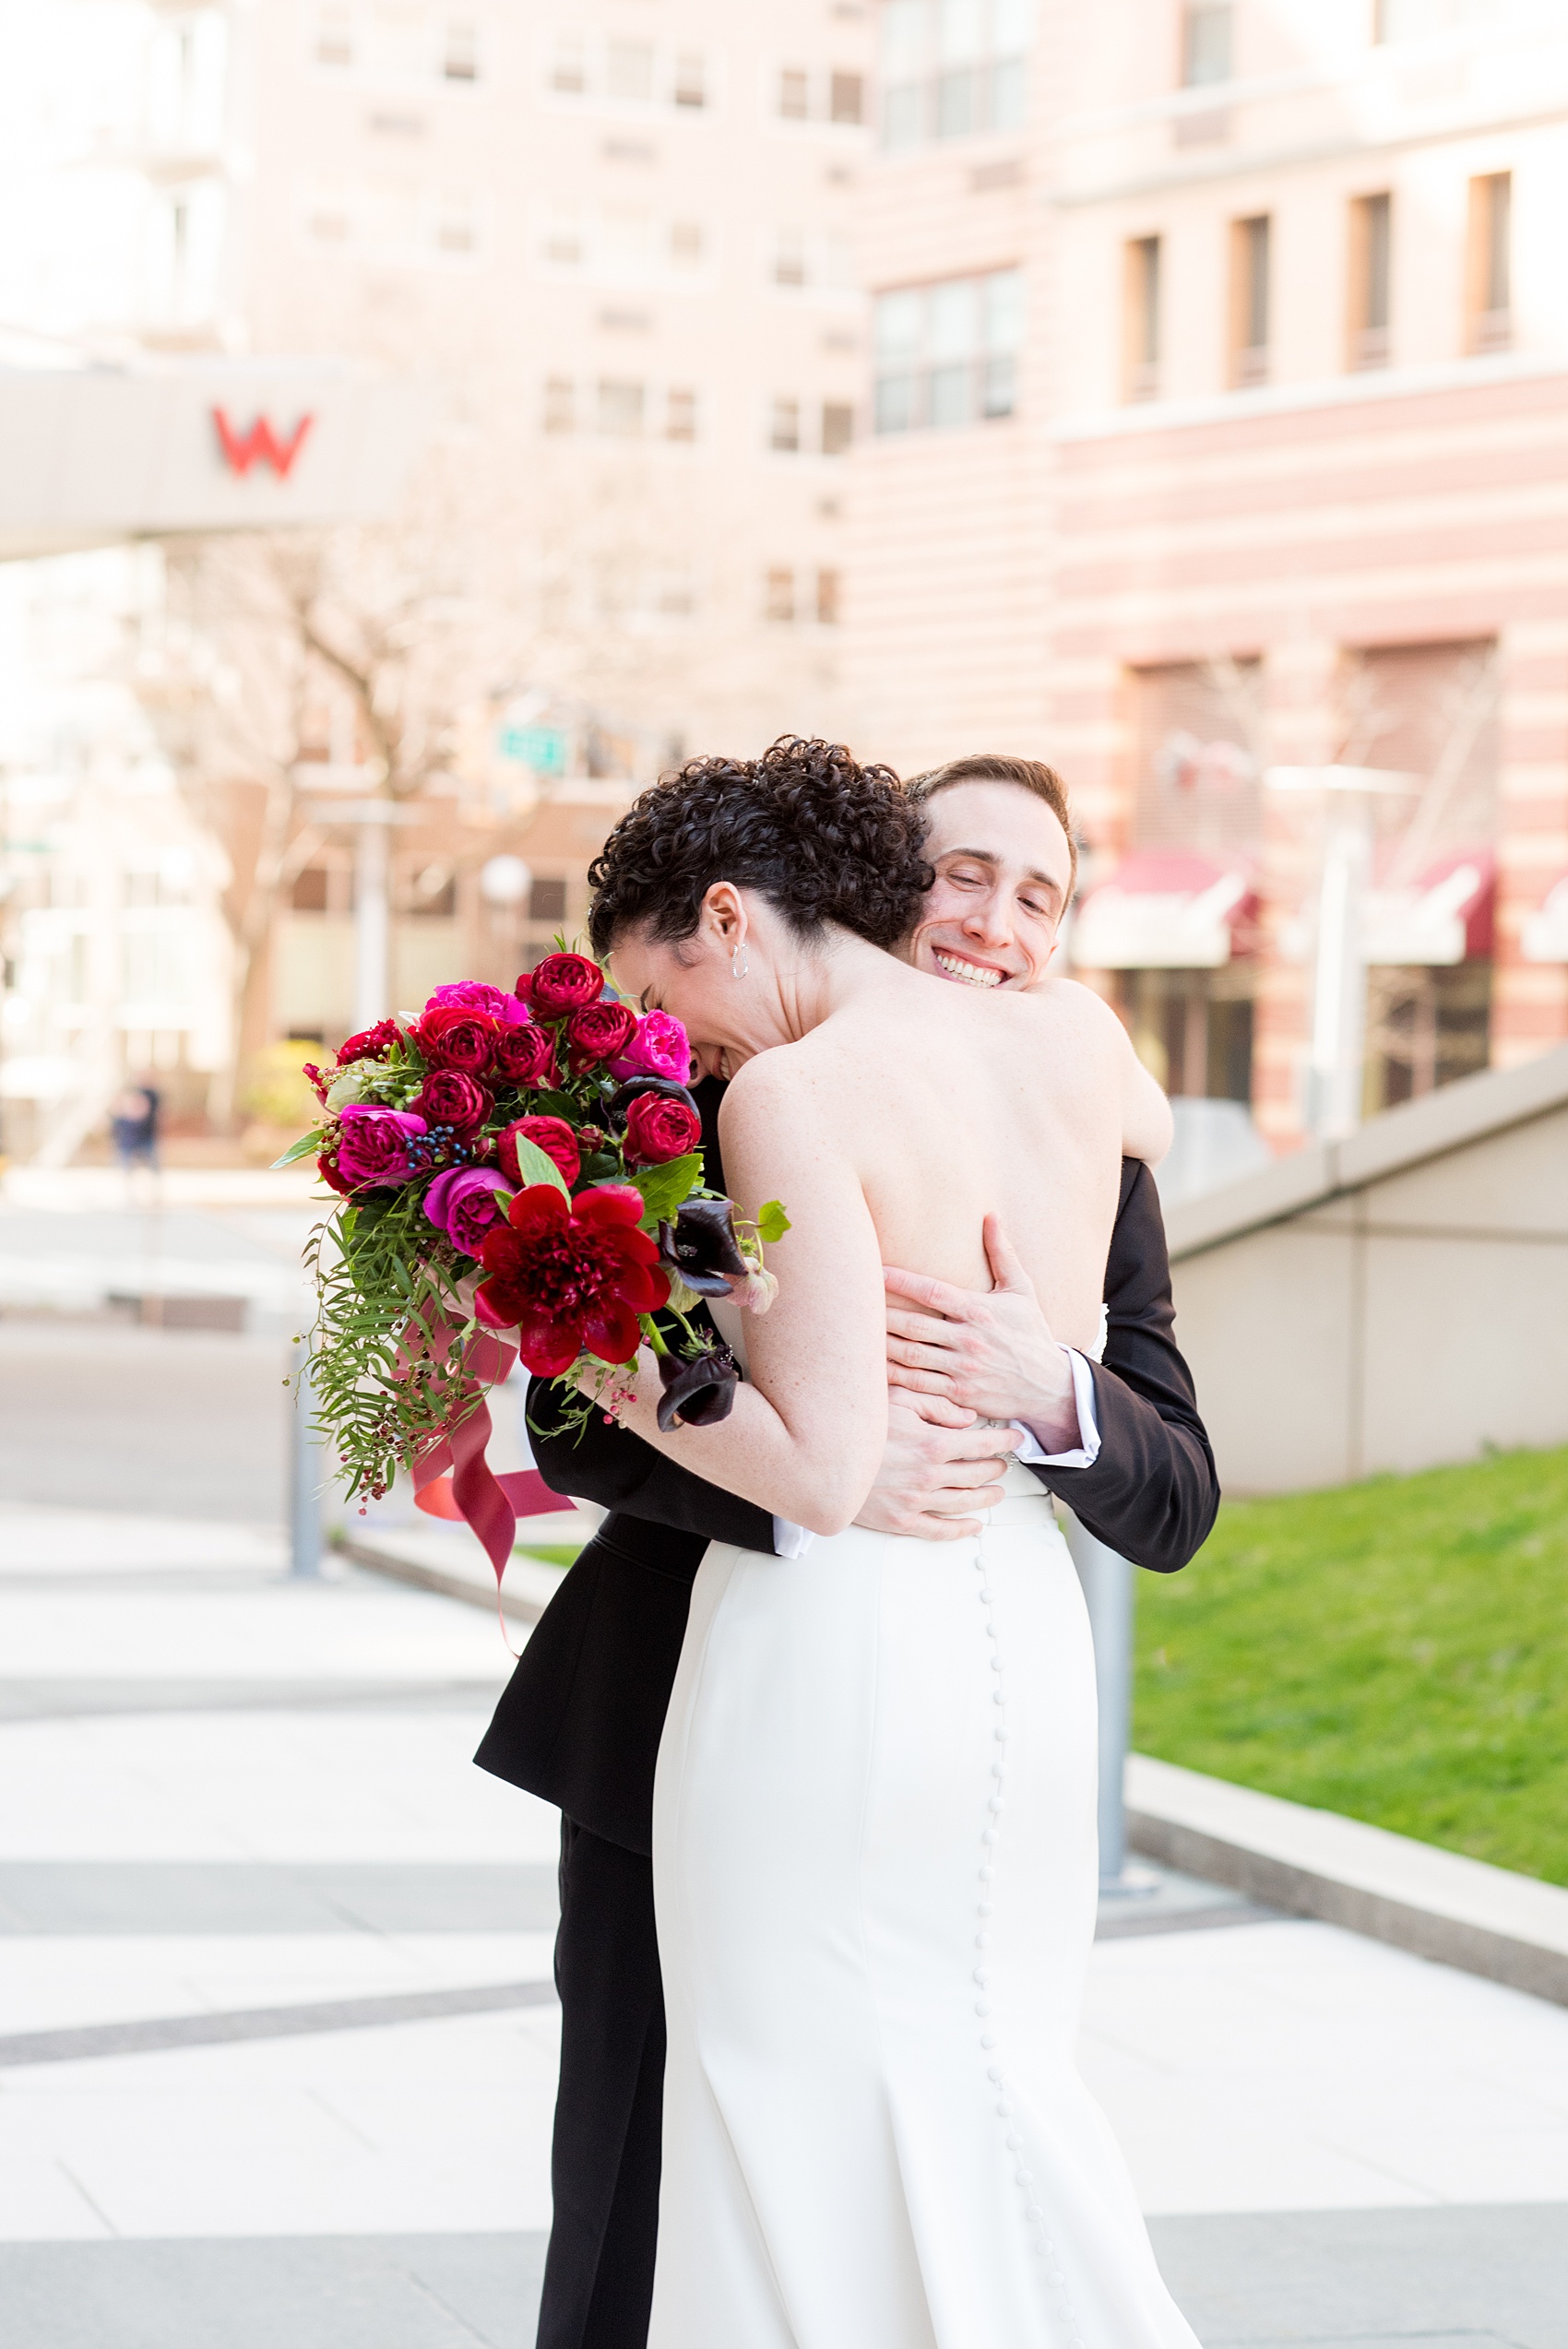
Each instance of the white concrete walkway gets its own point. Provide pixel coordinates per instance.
(221, 1793)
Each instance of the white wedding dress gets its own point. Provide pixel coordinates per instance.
(875, 1873)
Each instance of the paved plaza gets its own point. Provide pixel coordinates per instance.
(276, 2029)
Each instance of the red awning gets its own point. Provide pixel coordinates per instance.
(1444, 916)
(1166, 909)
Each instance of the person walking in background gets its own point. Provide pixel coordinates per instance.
(133, 1128)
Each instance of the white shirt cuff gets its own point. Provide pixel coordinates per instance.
(790, 1540)
(1031, 1452)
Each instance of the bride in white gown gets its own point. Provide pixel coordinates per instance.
(874, 1819)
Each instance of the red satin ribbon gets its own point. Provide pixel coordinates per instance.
(452, 1478)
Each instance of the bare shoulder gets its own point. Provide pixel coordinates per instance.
(774, 1087)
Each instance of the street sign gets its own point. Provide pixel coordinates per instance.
(542, 747)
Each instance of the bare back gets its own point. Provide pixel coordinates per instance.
(947, 1104)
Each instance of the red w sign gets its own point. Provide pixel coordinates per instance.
(241, 450)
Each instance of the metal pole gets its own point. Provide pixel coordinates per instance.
(1340, 980)
(373, 929)
(307, 1466)
(1109, 1593)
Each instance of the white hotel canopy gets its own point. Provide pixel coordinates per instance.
(1163, 910)
(94, 455)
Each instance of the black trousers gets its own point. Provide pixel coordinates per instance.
(605, 2162)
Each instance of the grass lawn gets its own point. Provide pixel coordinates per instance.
(1396, 1650)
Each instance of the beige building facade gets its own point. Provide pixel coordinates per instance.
(1281, 487)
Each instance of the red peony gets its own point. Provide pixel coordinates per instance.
(552, 1135)
(560, 983)
(597, 1033)
(525, 1056)
(451, 1036)
(452, 1098)
(370, 1044)
(659, 1127)
(570, 1274)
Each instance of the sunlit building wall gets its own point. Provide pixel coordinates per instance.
(1283, 487)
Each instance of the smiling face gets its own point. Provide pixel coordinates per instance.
(1003, 879)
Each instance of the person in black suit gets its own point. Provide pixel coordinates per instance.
(580, 1720)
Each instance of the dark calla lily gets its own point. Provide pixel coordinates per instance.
(625, 1095)
(699, 1390)
(700, 1247)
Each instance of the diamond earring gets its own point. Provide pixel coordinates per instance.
(739, 962)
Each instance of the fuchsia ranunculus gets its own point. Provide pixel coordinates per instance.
(660, 1048)
(465, 1203)
(474, 995)
(372, 1145)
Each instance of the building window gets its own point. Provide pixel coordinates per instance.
(680, 415)
(953, 68)
(1141, 334)
(309, 893)
(547, 899)
(1250, 243)
(846, 98)
(691, 80)
(1205, 43)
(779, 596)
(685, 245)
(560, 404)
(1371, 243)
(334, 33)
(828, 599)
(568, 65)
(789, 258)
(784, 429)
(837, 427)
(461, 61)
(794, 93)
(1490, 290)
(620, 408)
(946, 354)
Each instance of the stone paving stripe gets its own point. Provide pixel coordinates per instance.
(44, 1699)
(171, 1897)
(403, 2290)
(158, 2033)
(1126, 1924)
(1476, 2273)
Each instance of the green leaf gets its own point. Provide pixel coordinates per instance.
(772, 1223)
(534, 1166)
(300, 1149)
(666, 1188)
(557, 1105)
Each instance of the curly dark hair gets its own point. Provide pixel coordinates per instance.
(823, 838)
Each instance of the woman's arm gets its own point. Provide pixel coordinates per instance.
(1147, 1127)
(807, 1432)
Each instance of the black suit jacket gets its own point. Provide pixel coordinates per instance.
(580, 1719)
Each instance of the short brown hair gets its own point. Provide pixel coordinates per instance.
(996, 766)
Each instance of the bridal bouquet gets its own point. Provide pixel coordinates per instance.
(519, 1175)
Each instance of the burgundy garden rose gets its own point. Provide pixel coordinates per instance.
(372, 1145)
(370, 1044)
(597, 1033)
(327, 1168)
(552, 1135)
(450, 1096)
(659, 1128)
(450, 1035)
(475, 996)
(569, 1274)
(660, 1048)
(465, 1203)
(525, 1056)
(560, 983)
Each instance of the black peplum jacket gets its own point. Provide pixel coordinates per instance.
(580, 1719)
